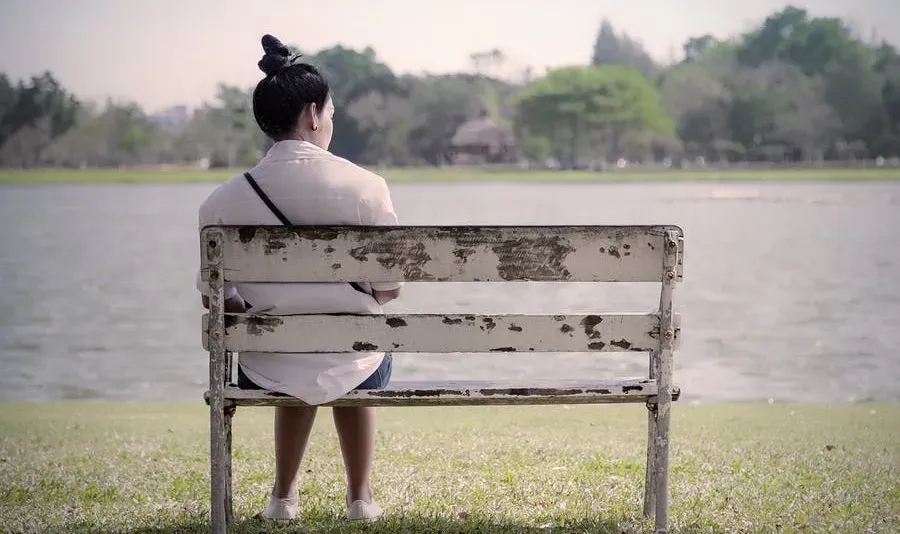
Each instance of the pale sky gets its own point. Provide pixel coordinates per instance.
(166, 52)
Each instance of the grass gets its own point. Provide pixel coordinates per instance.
(59, 176)
(142, 468)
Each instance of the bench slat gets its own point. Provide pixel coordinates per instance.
(443, 253)
(441, 333)
(472, 393)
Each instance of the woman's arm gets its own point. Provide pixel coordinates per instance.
(232, 304)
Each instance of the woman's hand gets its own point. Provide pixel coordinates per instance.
(383, 297)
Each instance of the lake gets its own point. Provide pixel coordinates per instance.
(791, 291)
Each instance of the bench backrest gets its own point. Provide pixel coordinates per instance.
(441, 254)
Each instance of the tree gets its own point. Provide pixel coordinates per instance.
(575, 104)
(620, 49)
(352, 75)
(34, 114)
(699, 93)
(826, 48)
(887, 64)
(696, 48)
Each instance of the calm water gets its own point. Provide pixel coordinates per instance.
(791, 292)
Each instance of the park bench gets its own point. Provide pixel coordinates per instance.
(445, 254)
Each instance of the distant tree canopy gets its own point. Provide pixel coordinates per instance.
(577, 109)
(796, 87)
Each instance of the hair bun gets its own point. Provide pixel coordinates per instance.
(276, 55)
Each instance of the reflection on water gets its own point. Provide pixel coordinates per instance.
(791, 291)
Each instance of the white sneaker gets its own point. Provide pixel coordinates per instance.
(282, 509)
(364, 511)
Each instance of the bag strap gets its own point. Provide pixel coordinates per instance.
(274, 209)
(284, 220)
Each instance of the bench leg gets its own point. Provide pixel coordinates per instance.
(217, 465)
(229, 483)
(652, 453)
(229, 415)
(661, 476)
(650, 480)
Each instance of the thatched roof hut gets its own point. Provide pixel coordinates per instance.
(483, 137)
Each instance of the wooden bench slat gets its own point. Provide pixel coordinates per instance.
(441, 333)
(443, 253)
(472, 393)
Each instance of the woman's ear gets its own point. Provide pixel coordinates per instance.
(314, 116)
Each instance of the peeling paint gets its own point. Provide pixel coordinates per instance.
(462, 254)
(257, 325)
(515, 328)
(504, 349)
(272, 245)
(362, 346)
(596, 345)
(623, 344)
(411, 257)
(589, 323)
(489, 324)
(246, 233)
(567, 329)
(539, 255)
(452, 320)
(395, 322)
(410, 393)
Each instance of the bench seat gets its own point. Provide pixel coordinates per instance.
(471, 393)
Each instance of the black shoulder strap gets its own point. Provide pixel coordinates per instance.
(284, 220)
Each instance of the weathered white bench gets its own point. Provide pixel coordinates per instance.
(444, 254)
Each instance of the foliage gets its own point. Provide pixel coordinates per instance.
(794, 88)
(574, 106)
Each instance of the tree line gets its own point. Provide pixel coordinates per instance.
(795, 88)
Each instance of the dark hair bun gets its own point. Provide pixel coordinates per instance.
(276, 55)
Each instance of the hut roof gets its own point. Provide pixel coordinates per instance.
(481, 132)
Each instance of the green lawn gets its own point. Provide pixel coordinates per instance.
(104, 468)
(458, 175)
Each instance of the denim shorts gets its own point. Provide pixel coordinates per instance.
(377, 380)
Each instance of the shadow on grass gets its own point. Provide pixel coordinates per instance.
(395, 525)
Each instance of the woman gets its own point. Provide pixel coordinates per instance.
(299, 182)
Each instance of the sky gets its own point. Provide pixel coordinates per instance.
(160, 53)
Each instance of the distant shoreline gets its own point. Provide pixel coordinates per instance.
(466, 175)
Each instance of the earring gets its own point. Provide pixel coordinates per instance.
(315, 127)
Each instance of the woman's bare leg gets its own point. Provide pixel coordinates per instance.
(292, 428)
(356, 431)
